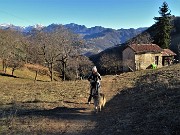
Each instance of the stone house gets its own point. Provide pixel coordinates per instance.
(143, 56)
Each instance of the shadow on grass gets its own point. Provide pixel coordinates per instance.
(62, 114)
(8, 75)
(55, 113)
(12, 76)
(147, 109)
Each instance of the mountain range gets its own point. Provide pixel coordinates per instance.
(99, 38)
(96, 38)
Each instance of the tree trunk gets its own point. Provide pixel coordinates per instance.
(4, 65)
(35, 76)
(64, 70)
(13, 69)
(50, 67)
(5, 69)
(51, 71)
(77, 73)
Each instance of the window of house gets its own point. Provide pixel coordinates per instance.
(156, 60)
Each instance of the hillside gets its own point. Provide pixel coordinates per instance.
(141, 102)
(150, 107)
(99, 38)
(109, 60)
(96, 39)
(175, 41)
(117, 50)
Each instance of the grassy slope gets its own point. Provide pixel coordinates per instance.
(21, 94)
(22, 88)
(143, 102)
(151, 107)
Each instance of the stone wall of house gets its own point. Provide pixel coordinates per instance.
(144, 61)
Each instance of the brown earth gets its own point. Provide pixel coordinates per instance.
(142, 102)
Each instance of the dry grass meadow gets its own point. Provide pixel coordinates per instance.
(139, 103)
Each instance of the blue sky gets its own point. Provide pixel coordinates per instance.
(107, 13)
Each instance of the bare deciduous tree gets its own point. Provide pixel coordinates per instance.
(110, 62)
(56, 47)
(11, 49)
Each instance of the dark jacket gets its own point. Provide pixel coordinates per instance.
(96, 77)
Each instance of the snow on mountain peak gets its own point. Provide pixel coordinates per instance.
(6, 25)
(37, 26)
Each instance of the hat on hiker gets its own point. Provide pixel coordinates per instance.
(94, 69)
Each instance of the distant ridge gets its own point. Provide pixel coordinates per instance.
(96, 38)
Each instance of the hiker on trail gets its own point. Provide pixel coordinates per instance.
(94, 79)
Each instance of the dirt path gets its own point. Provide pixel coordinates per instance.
(82, 119)
(79, 118)
(68, 116)
(111, 86)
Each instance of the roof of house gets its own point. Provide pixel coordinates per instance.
(144, 48)
(167, 52)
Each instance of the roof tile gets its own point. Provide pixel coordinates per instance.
(167, 52)
(143, 48)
